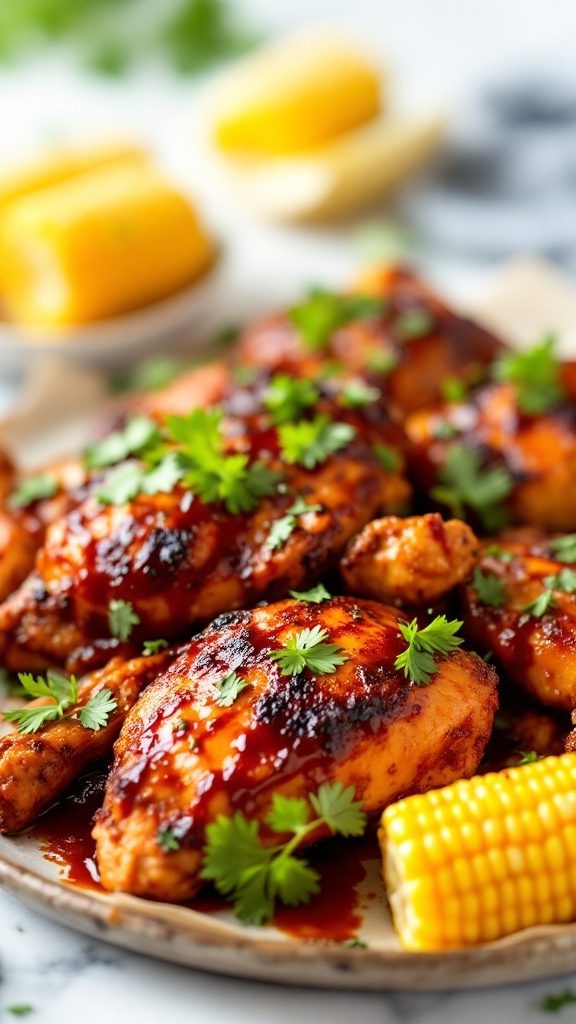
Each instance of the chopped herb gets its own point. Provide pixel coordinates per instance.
(314, 596)
(381, 361)
(151, 374)
(286, 398)
(414, 323)
(491, 590)
(121, 619)
(564, 548)
(323, 312)
(453, 390)
(388, 457)
(438, 637)
(139, 433)
(444, 431)
(553, 1004)
(154, 646)
(230, 689)
(495, 551)
(167, 839)
(20, 1009)
(255, 876)
(536, 372)
(464, 483)
(354, 944)
(308, 649)
(541, 604)
(283, 528)
(355, 394)
(63, 693)
(527, 757)
(310, 442)
(564, 580)
(33, 488)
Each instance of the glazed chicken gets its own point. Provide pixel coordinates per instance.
(183, 758)
(412, 561)
(527, 617)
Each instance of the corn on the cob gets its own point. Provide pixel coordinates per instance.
(98, 245)
(60, 165)
(295, 95)
(484, 857)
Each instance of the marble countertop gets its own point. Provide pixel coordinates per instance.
(444, 49)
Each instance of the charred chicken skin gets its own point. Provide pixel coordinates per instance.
(183, 758)
(527, 617)
(411, 561)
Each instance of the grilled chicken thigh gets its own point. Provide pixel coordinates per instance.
(183, 758)
(527, 617)
(411, 561)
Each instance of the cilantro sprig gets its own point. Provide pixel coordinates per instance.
(323, 312)
(565, 580)
(229, 689)
(309, 443)
(121, 619)
(308, 649)
(438, 637)
(283, 528)
(316, 595)
(555, 1003)
(138, 433)
(254, 876)
(564, 548)
(286, 398)
(463, 483)
(536, 373)
(491, 589)
(33, 488)
(63, 694)
(356, 394)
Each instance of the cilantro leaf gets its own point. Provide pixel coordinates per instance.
(541, 604)
(233, 480)
(536, 372)
(438, 637)
(254, 876)
(283, 528)
(33, 488)
(414, 323)
(167, 839)
(356, 394)
(95, 714)
(528, 757)
(121, 619)
(388, 457)
(453, 390)
(491, 590)
(308, 649)
(230, 688)
(553, 1004)
(564, 548)
(564, 580)
(198, 432)
(500, 554)
(323, 312)
(153, 647)
(139, 433)
(286, 398)
(464, 483)
(314, 596)
(310, 442)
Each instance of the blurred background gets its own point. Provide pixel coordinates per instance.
(499, 182)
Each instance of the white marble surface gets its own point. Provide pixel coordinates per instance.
(443, 49)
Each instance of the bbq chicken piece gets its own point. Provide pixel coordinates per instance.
(179, 561)
(521, 606)
(35, 769)
(534, 456)
(186, 754)
(410, 561)
(408, 346)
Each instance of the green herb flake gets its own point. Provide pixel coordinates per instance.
(536, 373)
(323, 312)
(33, 488)
(121, 619)
(555, 1003)
(168, 840)
(283, 528)
(286, 398)
(388, 457)
(151, 647)
(564, 548)
(308, 649)
(229, 689)
(465, 483)
(20, 1009)
(63, 693)
(139, 433)
(310, 442)
(414, 323)
(490, 589)
(438, 637)
(357, 394)
(453, 390)
(316, 595)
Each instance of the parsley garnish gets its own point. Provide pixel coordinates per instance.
(283, 528)
(121, 619)
(453, 390)
(20, 1009)
(323, 312)
(438, 637)
(308, 649)
(33, 488)
(356, 394)
(414, 323)
(310, 442)
(167, 839)
(495, 551)
(256, 876)
(463, 483)
(388, 457)
(564, 580)
(354, 944)
(286, 398)
(541, 604)
(139, 433)
(154, 646)
(314, 596)
(491, 590)
(230, 688)
(564, 548)
(64, 692)
(536, 372)
(527, 757)
(553, 1004)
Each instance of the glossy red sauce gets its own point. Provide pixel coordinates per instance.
(64, 836)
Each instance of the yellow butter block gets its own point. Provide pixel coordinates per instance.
(340, 177)
(98, 245)
(59, 165)
(294, 95)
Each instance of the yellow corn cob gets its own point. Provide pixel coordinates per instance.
(58, 166)
(294, 95)
(98, 245)
(484, 857)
